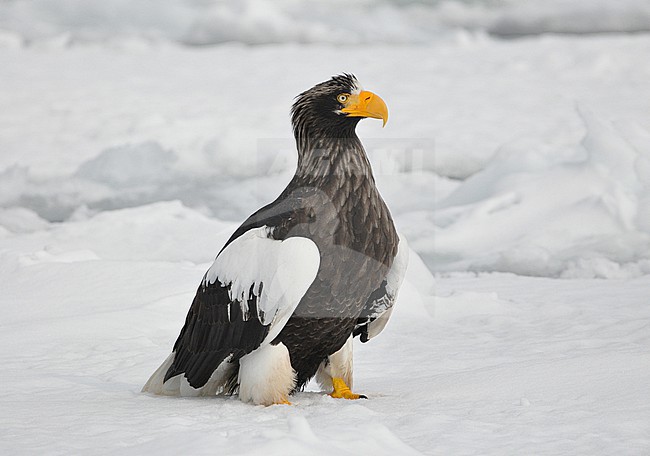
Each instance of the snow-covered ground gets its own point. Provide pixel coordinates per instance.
(488, 364)
(519, 170)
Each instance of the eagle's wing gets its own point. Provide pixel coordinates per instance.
(379, 305)
(244, 301)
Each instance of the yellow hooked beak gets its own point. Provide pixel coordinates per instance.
(366, 104)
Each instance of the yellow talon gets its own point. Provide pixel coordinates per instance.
(341, 390)
(283, 401)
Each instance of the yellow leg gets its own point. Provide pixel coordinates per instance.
(341, 390)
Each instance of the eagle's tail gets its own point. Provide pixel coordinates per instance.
(156, 385)
(222, 381)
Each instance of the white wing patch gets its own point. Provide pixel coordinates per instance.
(277, 272)
(394, 280)
(397, 270)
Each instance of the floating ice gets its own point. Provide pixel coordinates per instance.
(61, 23)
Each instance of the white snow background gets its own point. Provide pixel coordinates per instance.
(135, 136)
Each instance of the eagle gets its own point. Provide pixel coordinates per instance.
(303, 275)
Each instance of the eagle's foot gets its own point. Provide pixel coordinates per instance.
(283, 401)
(342, 391)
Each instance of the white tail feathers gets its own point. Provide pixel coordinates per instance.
(155, 383)
(179, 386)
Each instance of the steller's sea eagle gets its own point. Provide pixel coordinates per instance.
(301, 276)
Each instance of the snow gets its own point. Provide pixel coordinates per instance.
(504, 363)
(570, 218)
(543, 143)
(518, 170)
(204, 22)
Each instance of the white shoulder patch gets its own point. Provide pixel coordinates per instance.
(277, 272)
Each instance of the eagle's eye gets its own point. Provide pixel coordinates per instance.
(342, 98)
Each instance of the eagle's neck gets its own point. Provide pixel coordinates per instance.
(340, 203)
(326, 158)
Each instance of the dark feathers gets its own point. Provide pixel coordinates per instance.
(332, 200)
